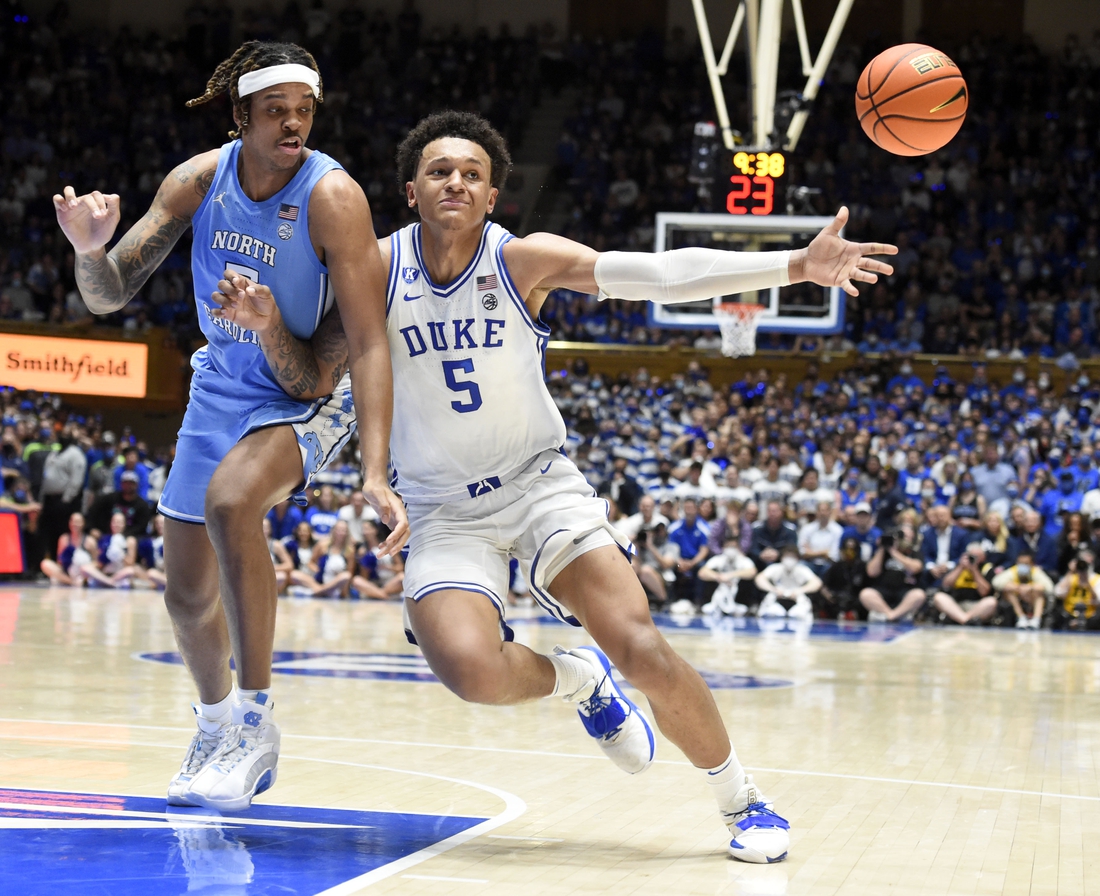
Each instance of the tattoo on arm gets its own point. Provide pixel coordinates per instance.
(330, 346)
(291, 360)
(188, 173)
(140, 252)
(202, 184)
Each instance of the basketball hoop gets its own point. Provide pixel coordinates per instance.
(738, 322)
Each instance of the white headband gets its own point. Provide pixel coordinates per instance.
(287, 73)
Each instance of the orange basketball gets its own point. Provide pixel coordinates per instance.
(911, 99)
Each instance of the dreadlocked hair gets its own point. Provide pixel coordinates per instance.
(450, 123)
(248, 57)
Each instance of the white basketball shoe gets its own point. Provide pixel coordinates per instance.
(203, 746)
(609, 716)
(244, 765)
(770, 606)
(759, 835)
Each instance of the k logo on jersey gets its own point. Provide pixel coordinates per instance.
(409, 275)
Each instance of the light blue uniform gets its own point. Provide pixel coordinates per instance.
(233, 391)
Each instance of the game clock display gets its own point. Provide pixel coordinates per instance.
(753, 182)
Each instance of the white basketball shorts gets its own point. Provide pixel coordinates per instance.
(545, 517)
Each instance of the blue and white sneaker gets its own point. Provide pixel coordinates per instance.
(619, 727)
(759, 835)
(203, 745)
(244, 765)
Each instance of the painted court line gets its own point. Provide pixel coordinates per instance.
(457, 880)
(436, 746)
(539, 839)
(514, 807)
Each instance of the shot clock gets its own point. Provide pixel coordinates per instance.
(753, 183)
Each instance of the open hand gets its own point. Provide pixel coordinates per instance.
(391, 511)
(249, 305)
(831, 260)
(89, 221)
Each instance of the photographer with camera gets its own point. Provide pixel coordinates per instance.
(1025, 585)
(1078, 594)
(967, 594)
(892, 576)
(843, 581)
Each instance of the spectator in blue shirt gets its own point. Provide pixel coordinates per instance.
(690, 534)
(904, 378)
(864, 531)
(1063, 499)
(323, 515)
(284, 518)
(912, 477)
(992, 477)
(130, 464)
(1086, 475)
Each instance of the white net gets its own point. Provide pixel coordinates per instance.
(738, 322)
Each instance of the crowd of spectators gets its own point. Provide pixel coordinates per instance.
(86, 498)
(999, 232)
(870, 494)
(105, 111)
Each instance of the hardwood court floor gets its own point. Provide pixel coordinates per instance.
(930, 761)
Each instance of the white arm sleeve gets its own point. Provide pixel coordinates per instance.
(688, 275)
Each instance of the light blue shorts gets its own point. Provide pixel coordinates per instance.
(213, 424)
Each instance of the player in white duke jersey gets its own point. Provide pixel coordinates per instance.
(264, 205)
(476, 455)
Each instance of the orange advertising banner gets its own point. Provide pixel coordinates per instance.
(78, 366)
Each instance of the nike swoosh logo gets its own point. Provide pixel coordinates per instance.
(409, 298)
(547, 467)
(958, 96)
(581, 538)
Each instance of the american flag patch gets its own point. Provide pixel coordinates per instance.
(489, 282)
(290, 212)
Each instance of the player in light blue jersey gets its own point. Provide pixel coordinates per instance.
(266, 207)
(476, 455)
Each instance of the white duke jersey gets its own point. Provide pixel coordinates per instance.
(471, 406)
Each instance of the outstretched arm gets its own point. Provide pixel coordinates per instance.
(108, 280)
(545, 261)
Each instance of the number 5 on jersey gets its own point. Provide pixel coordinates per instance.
(466, 365)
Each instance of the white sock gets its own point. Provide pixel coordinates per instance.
(725, 781)
(212, 716)
(574, 678)
(244, 696)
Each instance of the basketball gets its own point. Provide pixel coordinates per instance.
(911, 99)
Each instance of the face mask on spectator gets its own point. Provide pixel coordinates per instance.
(789, 563)
(1018, 376)
(1023, 570)
(928, 494)
(731, 551)
(906, 370)
(1012, 491)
